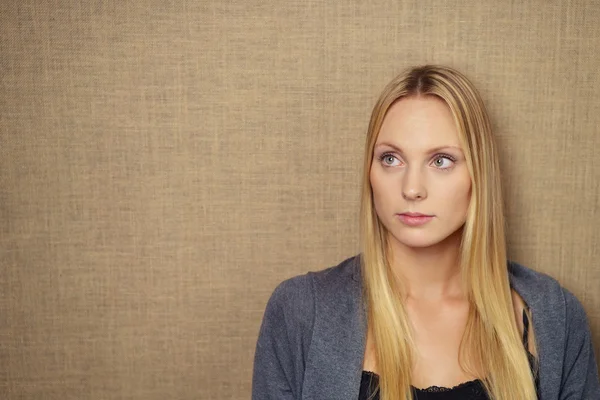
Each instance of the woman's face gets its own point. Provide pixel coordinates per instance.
(419, 177)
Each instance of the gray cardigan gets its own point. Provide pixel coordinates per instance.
(312, 339)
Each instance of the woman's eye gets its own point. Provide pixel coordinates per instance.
(388, 159)
(442, 162)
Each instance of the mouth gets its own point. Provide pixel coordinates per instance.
(414, 219)
(411, 214)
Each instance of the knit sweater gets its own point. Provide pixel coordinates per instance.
(312, 338)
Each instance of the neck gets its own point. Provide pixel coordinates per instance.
(431, 273)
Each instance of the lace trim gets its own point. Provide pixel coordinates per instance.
(437, 389)
(431, 389)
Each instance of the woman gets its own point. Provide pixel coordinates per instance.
(431, 308)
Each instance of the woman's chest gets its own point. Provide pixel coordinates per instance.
(437, 333)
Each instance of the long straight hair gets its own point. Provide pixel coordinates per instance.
(491, 344)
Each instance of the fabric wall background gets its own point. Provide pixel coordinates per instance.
(164, 164)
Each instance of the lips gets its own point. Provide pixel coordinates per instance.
(411, 214)
(414, 219)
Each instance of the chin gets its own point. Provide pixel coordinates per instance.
(417, 243)
(425, 239)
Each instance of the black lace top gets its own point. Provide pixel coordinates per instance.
(471, 390)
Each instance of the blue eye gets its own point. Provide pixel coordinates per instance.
(443, 161)
(387, 157)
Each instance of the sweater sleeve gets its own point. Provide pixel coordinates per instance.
(580, 372)
(283, 341)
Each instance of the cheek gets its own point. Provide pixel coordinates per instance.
(378, 190)
(458, 186)
(460, 194)
(462, 191)
(375, 184)
(453, 195)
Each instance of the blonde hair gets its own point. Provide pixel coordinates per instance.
(491, 343)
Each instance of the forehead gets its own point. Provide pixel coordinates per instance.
(419, 122)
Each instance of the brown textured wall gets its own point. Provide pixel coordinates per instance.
(164, 164)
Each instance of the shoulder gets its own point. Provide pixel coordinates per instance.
(294, 299)
(523, 275)
(552, 304)
(338, 277)
(535, 286)
(310, 321)
(563, 337)
(311, 283)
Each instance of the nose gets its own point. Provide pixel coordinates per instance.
(413, 185)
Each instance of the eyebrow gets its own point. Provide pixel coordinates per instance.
(430, 151)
